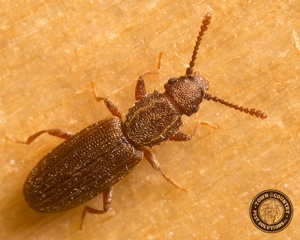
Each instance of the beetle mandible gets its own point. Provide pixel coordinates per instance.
(90, 162)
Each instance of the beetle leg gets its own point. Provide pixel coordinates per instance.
(179, 136)
(107, 199)
(155, 164)
(54, 132)
(209, 125)
(140, 89)
(109, 104)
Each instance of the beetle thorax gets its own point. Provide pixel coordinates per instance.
(151, 120)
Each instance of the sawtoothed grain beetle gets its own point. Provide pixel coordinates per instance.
(90, 162)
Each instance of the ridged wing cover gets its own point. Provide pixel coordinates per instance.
(151, 120)
(81, 167)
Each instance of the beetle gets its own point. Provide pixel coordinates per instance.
(90, 162)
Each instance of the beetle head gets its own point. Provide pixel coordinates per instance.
(187, 92)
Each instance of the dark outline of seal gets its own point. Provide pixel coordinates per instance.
(271, 206)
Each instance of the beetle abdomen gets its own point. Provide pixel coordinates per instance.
(151, 120)
(80, 168)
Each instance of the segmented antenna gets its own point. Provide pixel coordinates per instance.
(203, 28)
(207, 96)
(251, 111)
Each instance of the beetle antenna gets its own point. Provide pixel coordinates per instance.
(251, 111)
(203, 28)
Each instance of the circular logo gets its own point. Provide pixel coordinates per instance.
(271, 211)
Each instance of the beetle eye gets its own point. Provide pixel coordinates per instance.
(195, 109)
(172, 80)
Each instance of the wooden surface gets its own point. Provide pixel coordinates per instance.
(51, 50)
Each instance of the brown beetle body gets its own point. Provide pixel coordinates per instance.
(93, 160)
(102, 154)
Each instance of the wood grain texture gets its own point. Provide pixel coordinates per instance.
(51, 50)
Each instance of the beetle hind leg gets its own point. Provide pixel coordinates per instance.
(107, 199)
(54, 132)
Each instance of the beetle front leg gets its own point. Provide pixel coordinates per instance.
(107, 199)
(155, 164)
(140, 89)
(179, 136)
(54, 132)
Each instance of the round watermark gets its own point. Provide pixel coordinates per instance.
(271, 211)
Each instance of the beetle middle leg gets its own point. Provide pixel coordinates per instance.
(107, 199)
(54, 132)
(155, 164)
(109, 104)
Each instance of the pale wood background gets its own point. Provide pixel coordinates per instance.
(51, 50)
